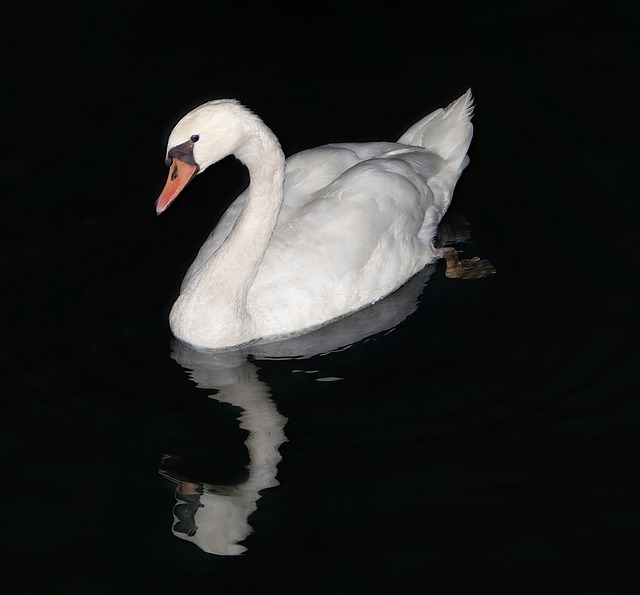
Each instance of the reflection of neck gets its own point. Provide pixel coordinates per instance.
(264, 424)
(222, 519)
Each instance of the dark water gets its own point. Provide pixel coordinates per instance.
(477, 436)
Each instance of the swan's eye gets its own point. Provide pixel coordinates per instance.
(195, 138)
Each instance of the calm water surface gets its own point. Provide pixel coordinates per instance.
(467, 432)
(458, 437)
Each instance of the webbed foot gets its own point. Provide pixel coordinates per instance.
(472, 268)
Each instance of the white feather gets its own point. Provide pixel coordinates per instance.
(325, 234)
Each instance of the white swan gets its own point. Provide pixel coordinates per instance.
(313, 238)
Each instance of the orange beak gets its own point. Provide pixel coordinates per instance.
(180, 174)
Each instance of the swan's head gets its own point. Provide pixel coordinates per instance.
(203, 136)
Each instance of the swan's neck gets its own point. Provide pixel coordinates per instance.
(214, 304)
(238, 259)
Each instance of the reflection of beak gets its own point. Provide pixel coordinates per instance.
(180, 174)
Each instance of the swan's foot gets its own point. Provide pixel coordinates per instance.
(473, 268)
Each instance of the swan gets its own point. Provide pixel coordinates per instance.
(315, 237)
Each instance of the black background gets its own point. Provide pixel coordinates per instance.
(518, 472)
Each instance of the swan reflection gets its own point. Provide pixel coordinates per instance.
(214, 517)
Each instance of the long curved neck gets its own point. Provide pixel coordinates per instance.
(241, 253)
(227, 276)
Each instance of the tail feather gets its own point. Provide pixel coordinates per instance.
(446, 132)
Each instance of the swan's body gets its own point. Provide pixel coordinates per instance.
(326, 233)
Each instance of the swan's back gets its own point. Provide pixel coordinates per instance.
(352, 241)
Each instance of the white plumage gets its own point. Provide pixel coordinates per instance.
(324, 234)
